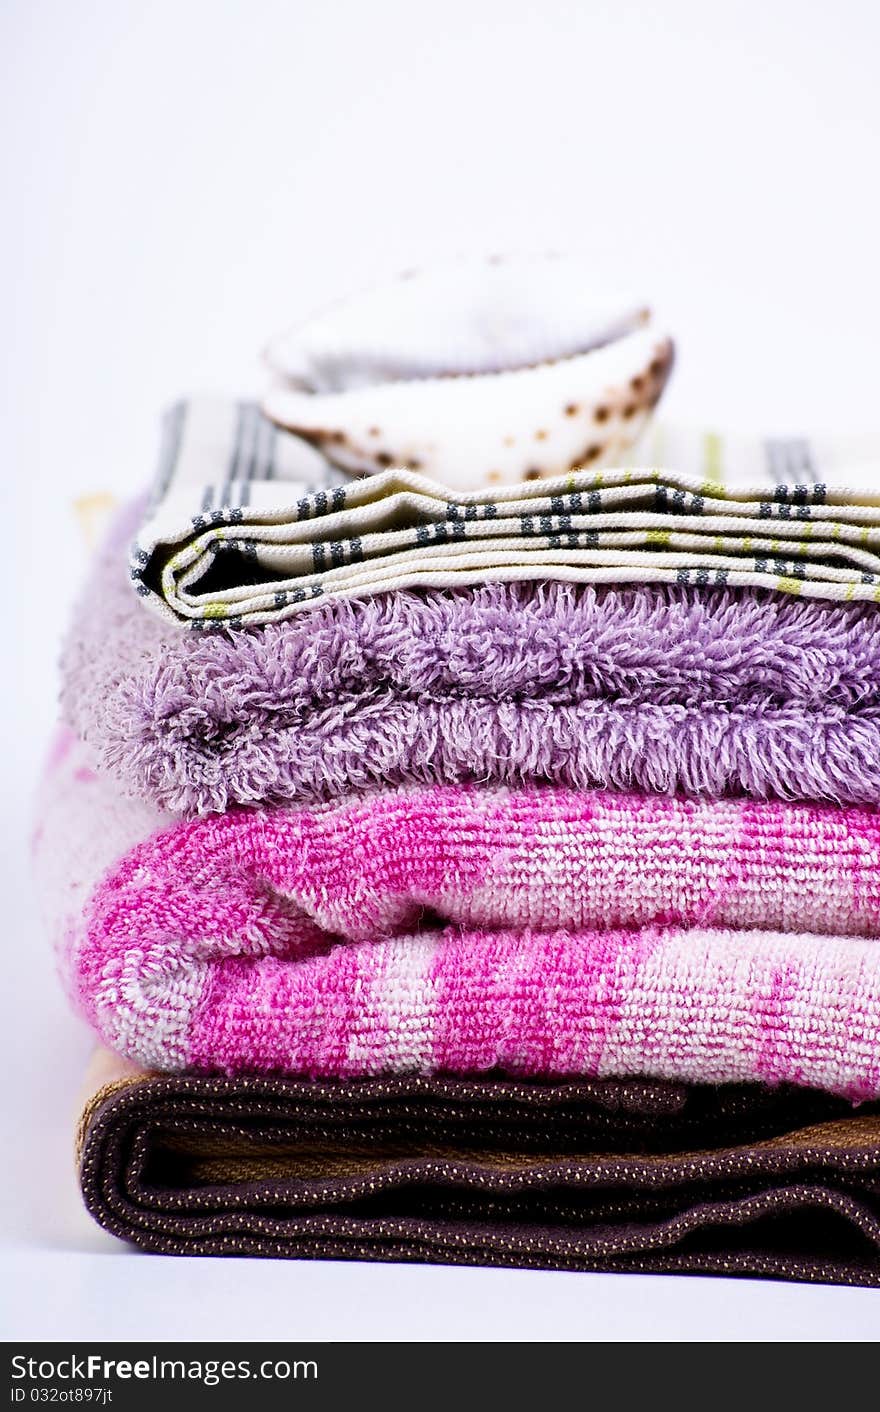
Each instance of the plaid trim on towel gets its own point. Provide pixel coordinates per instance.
(249, 524)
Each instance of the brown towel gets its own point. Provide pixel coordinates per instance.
(605, 1175)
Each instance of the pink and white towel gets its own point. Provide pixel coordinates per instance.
(539, 931)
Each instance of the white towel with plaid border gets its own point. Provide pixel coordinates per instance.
(249, 524)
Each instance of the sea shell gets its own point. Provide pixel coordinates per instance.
(474, 374)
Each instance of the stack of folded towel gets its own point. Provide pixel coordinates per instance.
(469, 874)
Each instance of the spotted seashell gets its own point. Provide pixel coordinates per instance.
(473, 374)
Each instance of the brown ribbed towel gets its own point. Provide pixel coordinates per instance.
(604, 1175)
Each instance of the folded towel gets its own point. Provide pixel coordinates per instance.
(660, 688)
(249, 525)
(626, 1176)
(543, 932)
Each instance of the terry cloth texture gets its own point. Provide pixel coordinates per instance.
(541, 932)
(627, 1176)
(248, 525)
(654, 687)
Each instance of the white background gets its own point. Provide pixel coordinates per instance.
(181, 177)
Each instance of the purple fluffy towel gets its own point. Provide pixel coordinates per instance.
(706, 692)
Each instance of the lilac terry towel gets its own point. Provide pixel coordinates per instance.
(659, 688)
